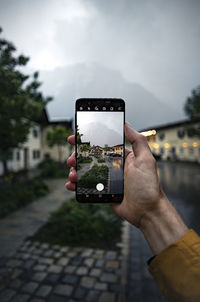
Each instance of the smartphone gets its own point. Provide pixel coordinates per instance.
(99, 145)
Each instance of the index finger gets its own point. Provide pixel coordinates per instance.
(71, 139)
(138, 141)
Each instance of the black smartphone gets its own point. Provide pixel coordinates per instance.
(99, 142)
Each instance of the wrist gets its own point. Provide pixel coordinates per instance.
(162, 225)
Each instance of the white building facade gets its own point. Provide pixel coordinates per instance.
(32, 152)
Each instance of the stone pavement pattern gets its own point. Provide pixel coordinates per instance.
(39, 272)
(26, 221)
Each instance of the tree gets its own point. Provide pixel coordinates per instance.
(79, 135)
(57, 137)
(192, 104)
(192, 109)
(106, 147)
(20, 101)
(84, 148)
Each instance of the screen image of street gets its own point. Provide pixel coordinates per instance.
(100, 152)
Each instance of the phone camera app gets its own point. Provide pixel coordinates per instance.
(100, 150)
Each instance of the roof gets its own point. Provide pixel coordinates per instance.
(172, 125)
(84, 143)
(120, 145)
(45, 121)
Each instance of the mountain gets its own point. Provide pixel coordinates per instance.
(143, 108)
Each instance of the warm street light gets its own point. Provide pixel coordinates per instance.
(149, 133)
(166, 145)
(185, 144)
(195, 144)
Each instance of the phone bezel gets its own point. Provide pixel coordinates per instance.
(94, 198)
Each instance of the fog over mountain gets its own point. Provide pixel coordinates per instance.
(143, 108)
(99, 134)
(146, 52)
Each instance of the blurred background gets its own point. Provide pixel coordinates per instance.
(53, 52)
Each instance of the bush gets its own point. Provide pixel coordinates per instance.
(81, 224)
(101, 160)
(52, 169)
(95, 175)
(84, 160)
(16, 195)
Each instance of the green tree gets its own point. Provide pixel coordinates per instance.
(57, 137)
(192, 104)
(79, 135)
(84, 148)
(20, 101)
(192, 109)
(106, 147)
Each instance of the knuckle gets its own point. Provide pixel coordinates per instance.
(142, 138)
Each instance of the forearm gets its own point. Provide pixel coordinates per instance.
(162, 226)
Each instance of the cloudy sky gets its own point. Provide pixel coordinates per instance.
(146, 52)
(101, 128)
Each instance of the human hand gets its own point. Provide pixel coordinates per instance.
(142, 191)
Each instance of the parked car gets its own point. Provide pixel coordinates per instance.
(116, 155)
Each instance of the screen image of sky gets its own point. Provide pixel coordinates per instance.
(101, 128)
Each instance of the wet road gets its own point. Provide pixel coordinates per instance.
(116, 175)
(181, 183)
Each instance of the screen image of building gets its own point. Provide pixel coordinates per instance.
(175, 141)
(118, 149)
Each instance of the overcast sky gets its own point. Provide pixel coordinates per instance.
(101, 128)
(146, 52)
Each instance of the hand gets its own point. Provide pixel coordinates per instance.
(142, 191)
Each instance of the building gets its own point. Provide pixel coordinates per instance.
(175, 141)
(47, 125)
(96, 150)
(107, 151)
(118, 149)
(31, 153)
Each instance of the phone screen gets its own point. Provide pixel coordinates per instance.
(100, 150)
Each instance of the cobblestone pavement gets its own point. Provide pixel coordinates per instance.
(39, 272)
(26, 221)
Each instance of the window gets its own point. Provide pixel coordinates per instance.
(181, 150)
(162, 151)
(36, 154)
(191, 150)
(161, 136)
(181, 133)
(35, 133)
(18, 155)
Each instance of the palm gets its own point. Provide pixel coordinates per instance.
(141, 189)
